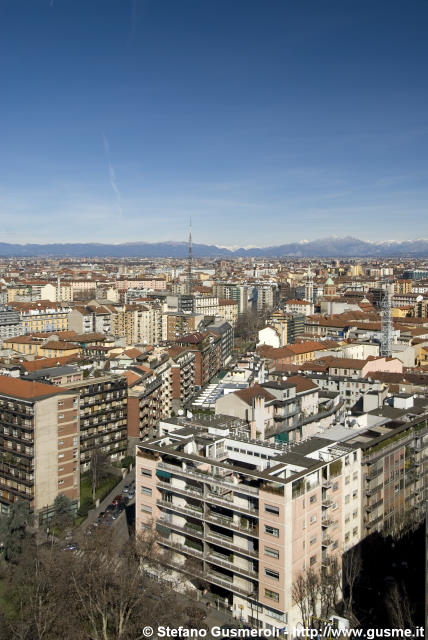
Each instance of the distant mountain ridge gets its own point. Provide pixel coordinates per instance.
(347, 247)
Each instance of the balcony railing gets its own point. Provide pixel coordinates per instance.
(215, 559)
(205, 477)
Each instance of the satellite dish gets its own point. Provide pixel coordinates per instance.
(180, 412)
(419, 299)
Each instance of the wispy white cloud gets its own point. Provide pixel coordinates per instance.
(112, 174)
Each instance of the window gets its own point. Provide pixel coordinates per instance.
(335, 544)
(273, 531)
(273, 553)
(312, 560)
(313, 499)
(61, 455)
(313, 519)
(272, 595)
(60, 481)
(146, 472)
(146, 509)
(347, 479)
(75, 442)
(146, 490)
(335, 486)
(355, 531)
(60, 443)
(354, 494)
(270, 509)
(272, 574)
(313, 540)
(347, 537)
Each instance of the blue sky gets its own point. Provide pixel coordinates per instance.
(266, 122)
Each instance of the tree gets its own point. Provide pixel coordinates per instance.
(63, 511)
(14, 529)
(329, 588)
(399, 607)
(351, 569)
(100, 467)
(101, 593)
(305, 593)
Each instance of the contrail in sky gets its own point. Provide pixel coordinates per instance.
(112, 174)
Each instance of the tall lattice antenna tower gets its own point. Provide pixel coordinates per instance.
(387, 336)
(189, 261)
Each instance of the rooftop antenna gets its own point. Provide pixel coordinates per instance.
(189, 261)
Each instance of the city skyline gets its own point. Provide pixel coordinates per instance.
(268, 125)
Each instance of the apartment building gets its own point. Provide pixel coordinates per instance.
(208, 355)
(239, 293)
(228, 311)
(41, 345)
(182, 374)
(248, 518)
(224, 330)
(176, 324)
(42, 316)
(39, 444)
(103, 416)
(148, 324)
(91, 318)
(149, 396)
(10, 323)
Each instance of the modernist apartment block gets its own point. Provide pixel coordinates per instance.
(103, 417)
(248, 517)
(39, 444)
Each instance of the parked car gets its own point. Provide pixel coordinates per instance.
(125, 488)
(131, 493)
(117, 500)
(71, 546)
(110, 507)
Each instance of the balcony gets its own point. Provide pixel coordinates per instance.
(188, 511)
(179, 490)
(185, 529)
(230, 524)
(227, 543)
(215, 578)
(214, 498)
(182, 548)
(214, 558)
(326, 521)
(326, 503)
(205, 477)
(326, 541)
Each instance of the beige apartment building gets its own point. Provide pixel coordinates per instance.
(39, 444)
(248, 518)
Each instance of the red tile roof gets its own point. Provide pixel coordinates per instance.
(25, 390)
